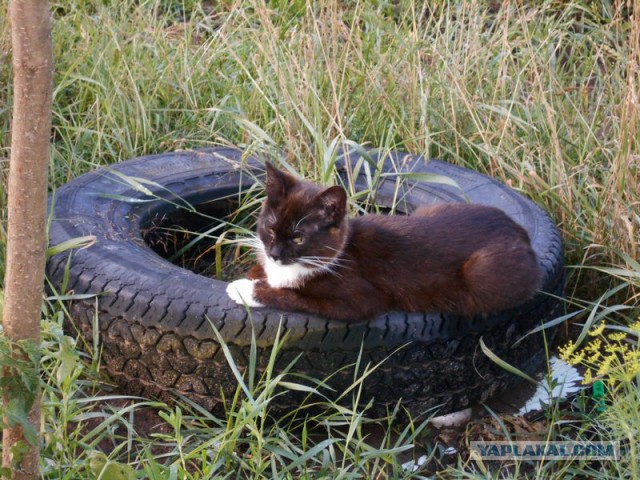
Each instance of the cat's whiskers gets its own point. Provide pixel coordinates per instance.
(339, 257)
(319, 258)
(255, 243)
(325, 264)
(335, 260)
(257, 246)
(312, 263)
(250, 243)
(326, 268)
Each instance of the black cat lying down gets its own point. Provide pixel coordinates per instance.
(456, 258)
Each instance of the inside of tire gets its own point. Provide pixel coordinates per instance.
(192, 239)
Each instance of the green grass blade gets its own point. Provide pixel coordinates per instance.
(501, 363)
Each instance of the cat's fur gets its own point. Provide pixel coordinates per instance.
(457, 258)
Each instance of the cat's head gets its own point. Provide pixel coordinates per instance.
(301, 223)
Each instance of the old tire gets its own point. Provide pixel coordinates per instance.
(154, 334)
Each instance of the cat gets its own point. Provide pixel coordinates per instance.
(456, 258)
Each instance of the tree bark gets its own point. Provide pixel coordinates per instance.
(27, 190)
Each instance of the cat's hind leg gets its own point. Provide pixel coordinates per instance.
(498, 277)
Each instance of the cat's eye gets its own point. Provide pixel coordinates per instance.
(298, 239)
(271, 231)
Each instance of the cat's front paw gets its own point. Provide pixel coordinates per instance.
(242, 292)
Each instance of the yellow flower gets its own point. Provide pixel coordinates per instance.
(611, 357)
(593, 358)
(610, 349)
(596, 332)
(566, 351)
(616, 349)
(594, 346)
(617, 337)
(576, 358)
(605, 366)
(632, 357)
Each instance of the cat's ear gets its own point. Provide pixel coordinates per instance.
(278, 183)
(333, 203)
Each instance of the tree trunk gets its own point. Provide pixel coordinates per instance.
(27, 190)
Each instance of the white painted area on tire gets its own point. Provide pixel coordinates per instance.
(241, 292)
(565, 380)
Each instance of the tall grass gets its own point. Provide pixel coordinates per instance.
(542, 95)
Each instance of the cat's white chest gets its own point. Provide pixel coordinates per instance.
(285, 276)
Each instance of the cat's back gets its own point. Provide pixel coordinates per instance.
(457, 223)
(469, 218)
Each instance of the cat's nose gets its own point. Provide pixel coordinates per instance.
(275, 252)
